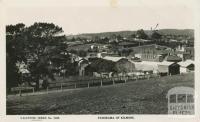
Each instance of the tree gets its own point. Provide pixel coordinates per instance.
(40, 36)
(15, 52)
(132, 35)
(119, 37)
(156, 36)
(29, 43)
(82, 53)
(141, 34)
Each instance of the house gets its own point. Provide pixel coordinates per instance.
(103, 74)
(183, 55)
(180, 48)
(97, 47)
(172, 58)
(168, 68)
(186, 66)
(93, 55)
(190, 50)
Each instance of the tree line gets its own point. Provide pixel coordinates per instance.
(37, 46)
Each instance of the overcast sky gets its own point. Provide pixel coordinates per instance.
(103, 15)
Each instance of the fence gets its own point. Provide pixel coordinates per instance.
(91, 83)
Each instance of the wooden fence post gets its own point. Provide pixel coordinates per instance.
(75, 85)
(47, 89)
(61, 87)
(88, 84)
(101, 82)
(20, 92)
(33, 90)
(113, 81)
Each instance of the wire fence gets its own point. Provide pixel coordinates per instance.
(98, 82)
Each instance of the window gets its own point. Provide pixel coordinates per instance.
(182, 98)
(190, 98)
(173, 98)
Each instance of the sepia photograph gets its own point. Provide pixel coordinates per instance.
(121, 58)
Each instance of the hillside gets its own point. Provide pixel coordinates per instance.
(134, 97)
(188, 32)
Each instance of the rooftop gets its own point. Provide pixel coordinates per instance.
(173, 58)
(186, 63)
(112, 58)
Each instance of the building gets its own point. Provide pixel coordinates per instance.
(168, 68)
(185, 52)
(186, 66)
(124, 66)
(103, 74)
(146, 66)
(151, 52)
(183, 55)
(173, 58)
(190, 50)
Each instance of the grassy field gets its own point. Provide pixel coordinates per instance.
(138, 97)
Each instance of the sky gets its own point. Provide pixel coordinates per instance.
(94, 16)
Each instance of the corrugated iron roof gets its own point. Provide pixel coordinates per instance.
(166, 63)
(112, 58)
(173, 58)
(146, 65)
(185, 63)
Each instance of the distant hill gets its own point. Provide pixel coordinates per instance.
(103, 34)
(188, 32)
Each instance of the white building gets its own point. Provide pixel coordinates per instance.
(186, 66)
(147, 66)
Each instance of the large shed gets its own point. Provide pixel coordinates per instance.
(168, 68)
(186, 66)
(147, 66)
(124, 66)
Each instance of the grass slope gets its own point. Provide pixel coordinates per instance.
(138, 97)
